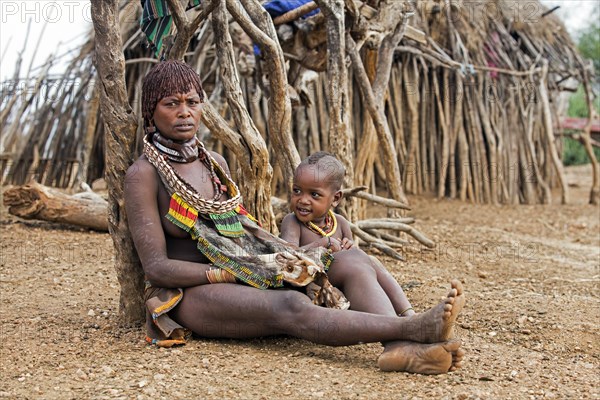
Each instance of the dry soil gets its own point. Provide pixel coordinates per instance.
(530, 327)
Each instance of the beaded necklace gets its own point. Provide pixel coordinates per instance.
(329, 228)
(186, 190)
(178, 152)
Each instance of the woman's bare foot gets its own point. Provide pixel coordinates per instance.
(437, 324)
(458, 303)
(436, 358)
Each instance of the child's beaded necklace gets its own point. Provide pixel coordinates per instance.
(329, 228)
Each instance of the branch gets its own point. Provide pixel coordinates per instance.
(257, 23)
(375, 242)
(241, 17)
(386, 52)
(375, 223)
(394, 179)
(397, 226)
(356, 192)
(295, 13)
(205, 10)
(185, 27)
(220, 128)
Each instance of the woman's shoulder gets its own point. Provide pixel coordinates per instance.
(220, 160)
(141, 169)
(218, 157)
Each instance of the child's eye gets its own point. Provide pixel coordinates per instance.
(316, 195)
(296, 191)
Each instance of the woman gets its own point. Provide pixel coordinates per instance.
(180, 202)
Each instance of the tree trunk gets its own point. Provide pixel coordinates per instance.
(120, 128)
(253, 157)
(586, 139)
(394, 179)
(547, 115)
(257, 23)
(340, 134)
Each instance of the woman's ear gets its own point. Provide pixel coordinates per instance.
(337, 197)
(150, 128)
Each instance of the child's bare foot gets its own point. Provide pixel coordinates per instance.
(436, 358)
(437, 324)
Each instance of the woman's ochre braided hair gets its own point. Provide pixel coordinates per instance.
(165, 79)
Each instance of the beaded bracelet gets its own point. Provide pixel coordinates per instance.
(218, 275)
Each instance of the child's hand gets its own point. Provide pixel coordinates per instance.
(346, 243)
(333, 244)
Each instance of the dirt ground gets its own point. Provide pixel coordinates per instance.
(530, 327)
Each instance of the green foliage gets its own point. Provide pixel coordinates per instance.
(589, 46)
(588, 41)
(573, 151)
(578, 104)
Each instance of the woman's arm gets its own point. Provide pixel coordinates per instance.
(141, 202)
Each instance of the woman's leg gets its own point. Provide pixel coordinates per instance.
(238, 311)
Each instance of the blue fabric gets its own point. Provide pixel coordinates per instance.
(278, 7)
(275, 8)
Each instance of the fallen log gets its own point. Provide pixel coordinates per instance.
(35, 201)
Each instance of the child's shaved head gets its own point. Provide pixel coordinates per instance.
(329, 168)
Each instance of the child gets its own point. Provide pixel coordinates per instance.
(317, 183)
(312, 223)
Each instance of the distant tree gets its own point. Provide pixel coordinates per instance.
(589, 41)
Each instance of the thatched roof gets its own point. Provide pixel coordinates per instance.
(496, 47)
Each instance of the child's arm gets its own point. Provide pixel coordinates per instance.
(291, 232)
(347, 236)
(290, 229)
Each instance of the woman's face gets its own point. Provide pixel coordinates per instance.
(177, 116)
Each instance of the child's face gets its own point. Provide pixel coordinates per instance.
(312, 194)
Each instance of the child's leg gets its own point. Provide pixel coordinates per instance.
(391, 288)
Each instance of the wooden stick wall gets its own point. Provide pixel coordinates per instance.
(471, 111)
